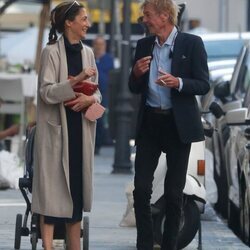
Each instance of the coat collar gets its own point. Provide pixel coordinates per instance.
(178, 50)
(63, 60)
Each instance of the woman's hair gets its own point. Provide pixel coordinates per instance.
(61, 13)
(164, 6)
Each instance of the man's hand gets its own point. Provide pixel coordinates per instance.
(141, 66)
(167, 80)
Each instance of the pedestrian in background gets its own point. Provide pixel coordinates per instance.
(10, 131)
(170, 69)
(64, 140)
(105, 63)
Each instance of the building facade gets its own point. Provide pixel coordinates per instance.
(217, 15)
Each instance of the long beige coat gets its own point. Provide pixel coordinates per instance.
(51, 188)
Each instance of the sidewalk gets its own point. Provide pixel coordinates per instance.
(108, 208)
(110, 204)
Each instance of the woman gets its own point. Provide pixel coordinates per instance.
(64, 143)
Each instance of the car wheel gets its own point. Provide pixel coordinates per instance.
(244, 211)
(241, 213)
(222, 184)
(244, 217)
(188, 227)
(233, 217)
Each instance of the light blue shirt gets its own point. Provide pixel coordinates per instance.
(159, 96)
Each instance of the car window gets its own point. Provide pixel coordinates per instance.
(235, 81)
(246, 101)
(223, 49)
(241, 81)
(246, 81)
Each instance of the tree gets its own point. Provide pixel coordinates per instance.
(44, 18)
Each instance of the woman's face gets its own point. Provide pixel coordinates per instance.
(77, 28)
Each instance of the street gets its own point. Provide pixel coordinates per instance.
(108, 208)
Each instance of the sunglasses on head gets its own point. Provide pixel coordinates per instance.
(71, 5)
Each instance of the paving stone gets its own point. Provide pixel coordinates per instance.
(108, 208)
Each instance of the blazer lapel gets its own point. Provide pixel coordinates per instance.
(148, 51)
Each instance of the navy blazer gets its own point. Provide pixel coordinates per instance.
(189, 62)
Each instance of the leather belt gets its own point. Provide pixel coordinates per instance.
(159, 111)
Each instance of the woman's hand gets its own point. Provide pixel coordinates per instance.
(84, 75)
(80, 102)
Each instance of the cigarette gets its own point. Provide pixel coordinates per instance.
(163, 82)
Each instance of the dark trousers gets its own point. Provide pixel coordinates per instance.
(159, 134)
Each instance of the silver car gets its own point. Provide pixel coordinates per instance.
(230, 151)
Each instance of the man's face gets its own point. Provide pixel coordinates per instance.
(153, 20)
(99, 47)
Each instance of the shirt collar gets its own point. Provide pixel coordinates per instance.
(170, 39)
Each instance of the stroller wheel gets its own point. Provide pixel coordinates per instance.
(34, 230)
(85, 233)
(33, 240)
(18, 231)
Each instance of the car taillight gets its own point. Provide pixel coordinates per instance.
(201, 167)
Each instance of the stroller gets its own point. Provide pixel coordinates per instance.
(25, 186)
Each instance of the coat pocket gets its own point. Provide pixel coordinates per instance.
(54, 137)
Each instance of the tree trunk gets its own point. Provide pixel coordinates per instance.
(44, 18)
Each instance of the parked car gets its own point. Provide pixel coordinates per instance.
(222, 50)
(216, 76)
(229, 142)
(237, 150)
(221, 64)
(224, 46)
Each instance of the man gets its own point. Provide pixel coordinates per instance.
(10, 131)
(169, 69)
(104, 63)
